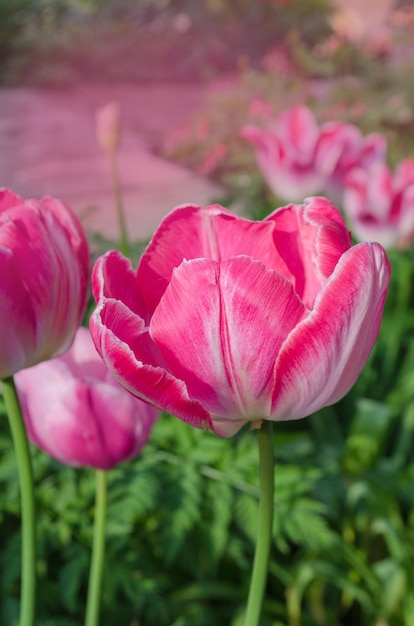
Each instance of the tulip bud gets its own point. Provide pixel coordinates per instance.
(108, 126)
(44, 260)
(78, 413)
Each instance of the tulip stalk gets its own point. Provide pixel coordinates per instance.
(265, 525)
(98, 552)
(24, 463)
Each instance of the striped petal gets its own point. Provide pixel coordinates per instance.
(112, 327)
(193, 232)
(324, 355)
(220, 327)
(310, 238)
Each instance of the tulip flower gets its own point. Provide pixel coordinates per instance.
(299, 158)
(228, 321)
(44, 280)
(43, 291)
(76, 412)
(380, 204)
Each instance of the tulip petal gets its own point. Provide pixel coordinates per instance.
(8, 200)
(82, 360)
(108, 324)
(80, 423)
(220, 327)
(18, 339)
(290, 172)
(113, 277)
(310, 238)
(325, 353)
(298, 132)
(193, 232)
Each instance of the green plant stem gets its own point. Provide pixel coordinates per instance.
(98, 552)
(24, 463)
(124, 243)
(265, 525)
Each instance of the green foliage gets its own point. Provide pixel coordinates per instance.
(66, 41)
(182, 521)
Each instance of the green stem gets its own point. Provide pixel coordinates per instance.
(124, 243)
(24, 463)
(98, 552)
(265, 525)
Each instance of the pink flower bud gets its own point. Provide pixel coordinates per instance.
(108, 126)
(44, 278)
(76, 411)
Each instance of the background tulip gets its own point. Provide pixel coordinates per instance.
(228, 320)
(380, 204)
(299, 158)
(44, 280)
(77, 413)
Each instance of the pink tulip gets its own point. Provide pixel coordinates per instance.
(77, 413)
(299, 158)
(228, 320)
(44, 280)
(380, 205)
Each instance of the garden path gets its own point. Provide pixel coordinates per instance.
(48, 146)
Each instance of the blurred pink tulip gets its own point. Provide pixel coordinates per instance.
(380, 205)
(77, 413)
(44, 280)
(299, 158)
(228, 320)
(108, 126)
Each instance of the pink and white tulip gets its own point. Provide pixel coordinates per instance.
(380, 204)
(76, 412)
(299, 158)
(229, 320)
(44, 258)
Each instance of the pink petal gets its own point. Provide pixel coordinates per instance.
(336, 142)
(81, 423)
(404, 173)
(77, 418)
(82, 360)
(18, 340)
(289, 172)
(192, 232)
(113, 277)
(310, 238)
(8, 199)
(72, 228)
(325, 353)
(298, 131)
(373, 149)
(147, 382)
(220, 327)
